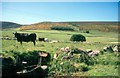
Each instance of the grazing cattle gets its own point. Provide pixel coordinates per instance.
(5, 38)
(43, 39)
(25, 37)
(46, 40)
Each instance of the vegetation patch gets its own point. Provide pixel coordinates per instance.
(23, 62)
(77, 37)
(62, 28)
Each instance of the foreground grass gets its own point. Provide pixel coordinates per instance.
(99, 70)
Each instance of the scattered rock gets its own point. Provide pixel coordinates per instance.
(44, 67)
(108, 48)
(65, 49)
(65, 57)
(94, 53)
(43, 54)
(116, 48)
(88, 50)
(55, 56)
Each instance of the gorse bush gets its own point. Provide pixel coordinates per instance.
(79, 61)
(84, 57)
(67, 67)
(77, 37)
(62, 28)
(62, 67)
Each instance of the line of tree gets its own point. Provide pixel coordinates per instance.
(62, 28)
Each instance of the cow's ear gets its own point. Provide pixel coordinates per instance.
(13, 33)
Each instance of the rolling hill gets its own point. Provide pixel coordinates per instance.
(6, 25)
(101, 26)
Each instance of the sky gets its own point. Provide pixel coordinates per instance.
(34, 12)
(59, 0)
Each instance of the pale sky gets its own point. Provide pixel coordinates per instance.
(34, 12)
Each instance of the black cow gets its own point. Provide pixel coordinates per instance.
(41, 39)
(25, 37)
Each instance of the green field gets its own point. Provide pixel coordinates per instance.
(94, 40)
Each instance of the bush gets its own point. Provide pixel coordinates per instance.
(62, 28)
(8, 67)
(12, 62)
(83, 57)
(84, 67)
(77, 37)
(61, 67)
(87, 32)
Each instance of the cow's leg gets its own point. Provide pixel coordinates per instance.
(34, 43)
(21, 42)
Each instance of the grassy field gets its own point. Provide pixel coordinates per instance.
(95, 40)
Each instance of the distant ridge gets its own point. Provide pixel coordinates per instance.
(6, 25)
(84, 25)
(76, 25)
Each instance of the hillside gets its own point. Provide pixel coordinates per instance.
(101, 26)
(6, 25)
(43, 25)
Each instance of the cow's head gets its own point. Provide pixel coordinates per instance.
(15, 34)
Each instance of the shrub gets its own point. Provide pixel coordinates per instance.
(61, 67)
(8, 66)
(83, 57)
(12, 62)
(84, 67)
(117, 62)
(62, 28)
(77, 37)
(87, 32)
